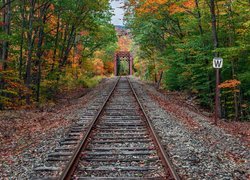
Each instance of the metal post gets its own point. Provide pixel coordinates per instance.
(115, 65)
(131, 65)
(217, 92)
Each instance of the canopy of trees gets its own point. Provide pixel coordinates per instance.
(49, 43)
(181, 37)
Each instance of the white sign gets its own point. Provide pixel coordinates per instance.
(217, 62)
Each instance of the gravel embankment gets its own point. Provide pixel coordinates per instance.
(203, 152)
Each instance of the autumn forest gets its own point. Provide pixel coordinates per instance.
(50, 46)
(178, 40)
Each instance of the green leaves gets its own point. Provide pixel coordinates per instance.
(48, 41)
(183, 42)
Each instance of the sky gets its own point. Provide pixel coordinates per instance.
(118, 12)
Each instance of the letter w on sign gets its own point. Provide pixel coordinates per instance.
(217, 62)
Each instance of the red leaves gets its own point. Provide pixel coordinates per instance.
(235, 157)
(177, 108)
(178, 112)
(2, 23)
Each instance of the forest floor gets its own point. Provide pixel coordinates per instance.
(177, 102)
(17, 126)
(21, 130)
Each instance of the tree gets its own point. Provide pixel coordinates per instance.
(43, 40)
(178, 34)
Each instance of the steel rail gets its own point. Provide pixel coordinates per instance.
(70, 167)
(168, 166)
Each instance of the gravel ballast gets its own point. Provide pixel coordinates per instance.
(205, 152)
(19, 165)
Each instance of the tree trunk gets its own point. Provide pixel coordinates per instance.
(6, 28)
(56, 43)
(65, 36)
(232, 43)
(207, 62)
(30, 50)
(39, 50)
(20, 68)
(159, 82)
(199, 17)
(70, 44)
(22, 40)
(214, 26)
(5, 45)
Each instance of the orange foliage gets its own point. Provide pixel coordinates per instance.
(84, 33)
(76, 55)
(124, 43)
(152, 6)
(52, 23)
(186, 5)
(49, 56)
(98, 66)
(52, 7)
(229, 84)
(137, 66)
(148, 6)
(109, 66)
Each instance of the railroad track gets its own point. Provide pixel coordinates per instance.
(120, 142)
